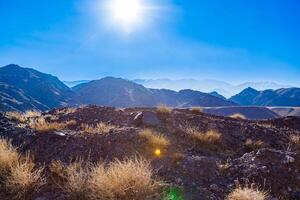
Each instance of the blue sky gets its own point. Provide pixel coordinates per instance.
(234, 41)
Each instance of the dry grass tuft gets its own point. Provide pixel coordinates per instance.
(23, 117)
(100, 128)
(154, 139)
(24, 178)
(130, 179)
(295, 139)
(209, 138)
(65, 111)
(247, 194)
(254, 145)
(9, 156)
(163, 109)
(43, 126)
(196, 110)
(238, 116)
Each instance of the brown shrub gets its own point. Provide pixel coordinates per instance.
(247, 194)
(9, 156)
(100, 128)
(154, 139)
(24, 178)
(211, 137)
(238, 116)
(130, 179)
(196, 110)
(253, 145)
(163, 109)
(43, 126)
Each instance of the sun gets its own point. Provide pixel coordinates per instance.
(127, 13)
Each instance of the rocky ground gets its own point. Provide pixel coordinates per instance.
(271, 162)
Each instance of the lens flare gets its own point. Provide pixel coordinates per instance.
(157, 152)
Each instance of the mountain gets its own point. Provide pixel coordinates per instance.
(71, 84)
(221, 87)
(280, 97)
(24, 88)
(216, 94)
(123, 93)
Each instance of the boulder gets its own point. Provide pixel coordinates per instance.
(147, 118)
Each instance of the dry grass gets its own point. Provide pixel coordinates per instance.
(9, 156)
(208, 138)
(131, 179)
(163, 109)
(196, 110)
(24, 178)
(247, 194)
(23, 117)
(254, 145)
(238, 116)
(100, 128)
(154, 139)
(65, 111)
(43, 126)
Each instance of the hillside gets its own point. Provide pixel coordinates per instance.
(25, 88)
(123, 93)
(194, 154)
(280, 97)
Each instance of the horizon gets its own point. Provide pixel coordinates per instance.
(234, 42)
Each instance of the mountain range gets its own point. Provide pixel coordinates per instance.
(24, 88)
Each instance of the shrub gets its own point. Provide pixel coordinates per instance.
(154, 139)
(238, 116)
(211, 137)
(247, 194)
(100, 128)
(32, 114)
(130, 179)
(163, 109)
(9, 156)
(24, 178)
(14, 115)
(254, 145)
(43, 126)
(196, 110)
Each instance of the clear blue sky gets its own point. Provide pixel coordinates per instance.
(233, 40)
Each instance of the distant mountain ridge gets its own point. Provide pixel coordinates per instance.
(25, 88)
(280, 97)
(208, 86)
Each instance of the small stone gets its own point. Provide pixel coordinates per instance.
(288, 159)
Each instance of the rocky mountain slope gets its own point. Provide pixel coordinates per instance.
(263, 154)
(123, 93)
(280, 97)
(24, 89)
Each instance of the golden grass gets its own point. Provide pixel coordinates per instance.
(9, 156)
(24, 178)
(210, 137)
(43, 126)
(131, 179)
(238, 116)
(253, 145)
(196, 110)
(23, 117)
(163, 109)
(247, 194)
(295, 139)
(154, 139)
(100, 128)
(66, 111)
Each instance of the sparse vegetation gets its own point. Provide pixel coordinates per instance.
(23, 117)
(131, 179)
(251, 145)
(155, 140)
(43, 126)
(247, 193)
(163, 109)
(24, 178)
(209, 138)
(9, 157)
(65, 111)
(238, 116)
(100, 128)
(196, 110)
